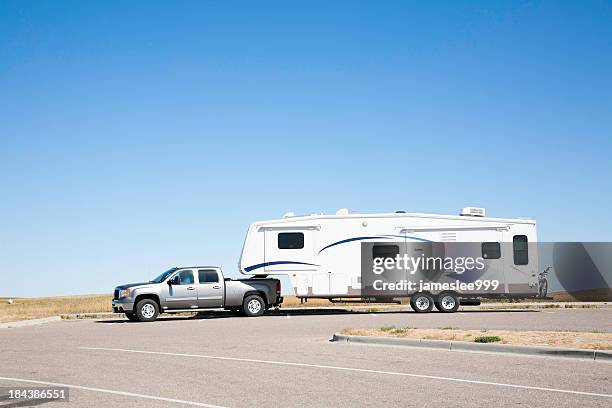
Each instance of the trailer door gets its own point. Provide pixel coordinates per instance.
(290, 249)
(520, 261)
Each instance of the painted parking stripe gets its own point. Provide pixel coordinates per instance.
(107, 391)
(361, 370)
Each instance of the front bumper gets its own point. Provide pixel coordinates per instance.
(123, 306)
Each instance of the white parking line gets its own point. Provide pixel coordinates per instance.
(103, 390)
(362, 370)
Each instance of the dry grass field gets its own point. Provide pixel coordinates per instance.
(583, 340)
(593, 295)
(33, 308)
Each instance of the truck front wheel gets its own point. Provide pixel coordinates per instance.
(253, 305)
(147, 310)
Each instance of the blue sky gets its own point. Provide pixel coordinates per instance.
(140, 135)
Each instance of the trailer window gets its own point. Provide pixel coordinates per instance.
(491, 250)
(290, 240)
(521, 253)
(385, 251)
(208, 276)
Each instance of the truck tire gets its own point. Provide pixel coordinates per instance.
(447, 303)
(147, 310)
(131, 317)
(253, 305)
(421, 303)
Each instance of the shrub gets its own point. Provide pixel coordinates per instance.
(487, 339)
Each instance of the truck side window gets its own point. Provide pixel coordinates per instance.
(384, 251)
(185, 277)
(491, 250)
(521, 253)
(290, 240)
(208, 276)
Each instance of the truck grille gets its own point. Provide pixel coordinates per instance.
(116, 294)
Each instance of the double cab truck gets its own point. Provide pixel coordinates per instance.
(196, 288)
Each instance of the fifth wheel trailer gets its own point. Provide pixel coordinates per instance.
(331, 255)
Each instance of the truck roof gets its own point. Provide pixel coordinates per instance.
(197, 267)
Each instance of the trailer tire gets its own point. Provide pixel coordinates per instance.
(421, 302)
(253, 305)
(131, 317)
(147, 310)
(447, 303)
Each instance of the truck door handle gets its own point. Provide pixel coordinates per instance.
(216, 287)
(190, 288)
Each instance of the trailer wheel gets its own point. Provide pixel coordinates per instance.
(147, 310)
(253, 305)
(421, 303)
(447, 303)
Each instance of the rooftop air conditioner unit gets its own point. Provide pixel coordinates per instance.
(472, 212)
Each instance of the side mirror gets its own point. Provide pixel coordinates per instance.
(173, 281)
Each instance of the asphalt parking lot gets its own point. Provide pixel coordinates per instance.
(286, 359)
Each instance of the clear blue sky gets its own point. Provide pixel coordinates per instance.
(141, 135)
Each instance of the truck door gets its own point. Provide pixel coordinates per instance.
(290, 249)
(182, 292)
(210, 289)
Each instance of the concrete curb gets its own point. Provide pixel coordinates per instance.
(382, 309)
(540, 305)
(31, 322)
(79, 316)
(335, 309)
(483, 306)
(478, 347)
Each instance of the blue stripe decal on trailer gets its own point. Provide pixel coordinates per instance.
(409, 237)
(344, 241)
(261, 265)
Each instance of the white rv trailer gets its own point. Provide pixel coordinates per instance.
(326, 255)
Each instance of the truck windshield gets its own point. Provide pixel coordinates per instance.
(163, 276)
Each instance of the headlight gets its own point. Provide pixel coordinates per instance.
(124, 293)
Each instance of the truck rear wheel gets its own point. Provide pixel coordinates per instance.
(447, 303)
(253, 305)
(421, 303)
(147, 310)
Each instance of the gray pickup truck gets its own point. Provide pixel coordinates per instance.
(196, 288)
